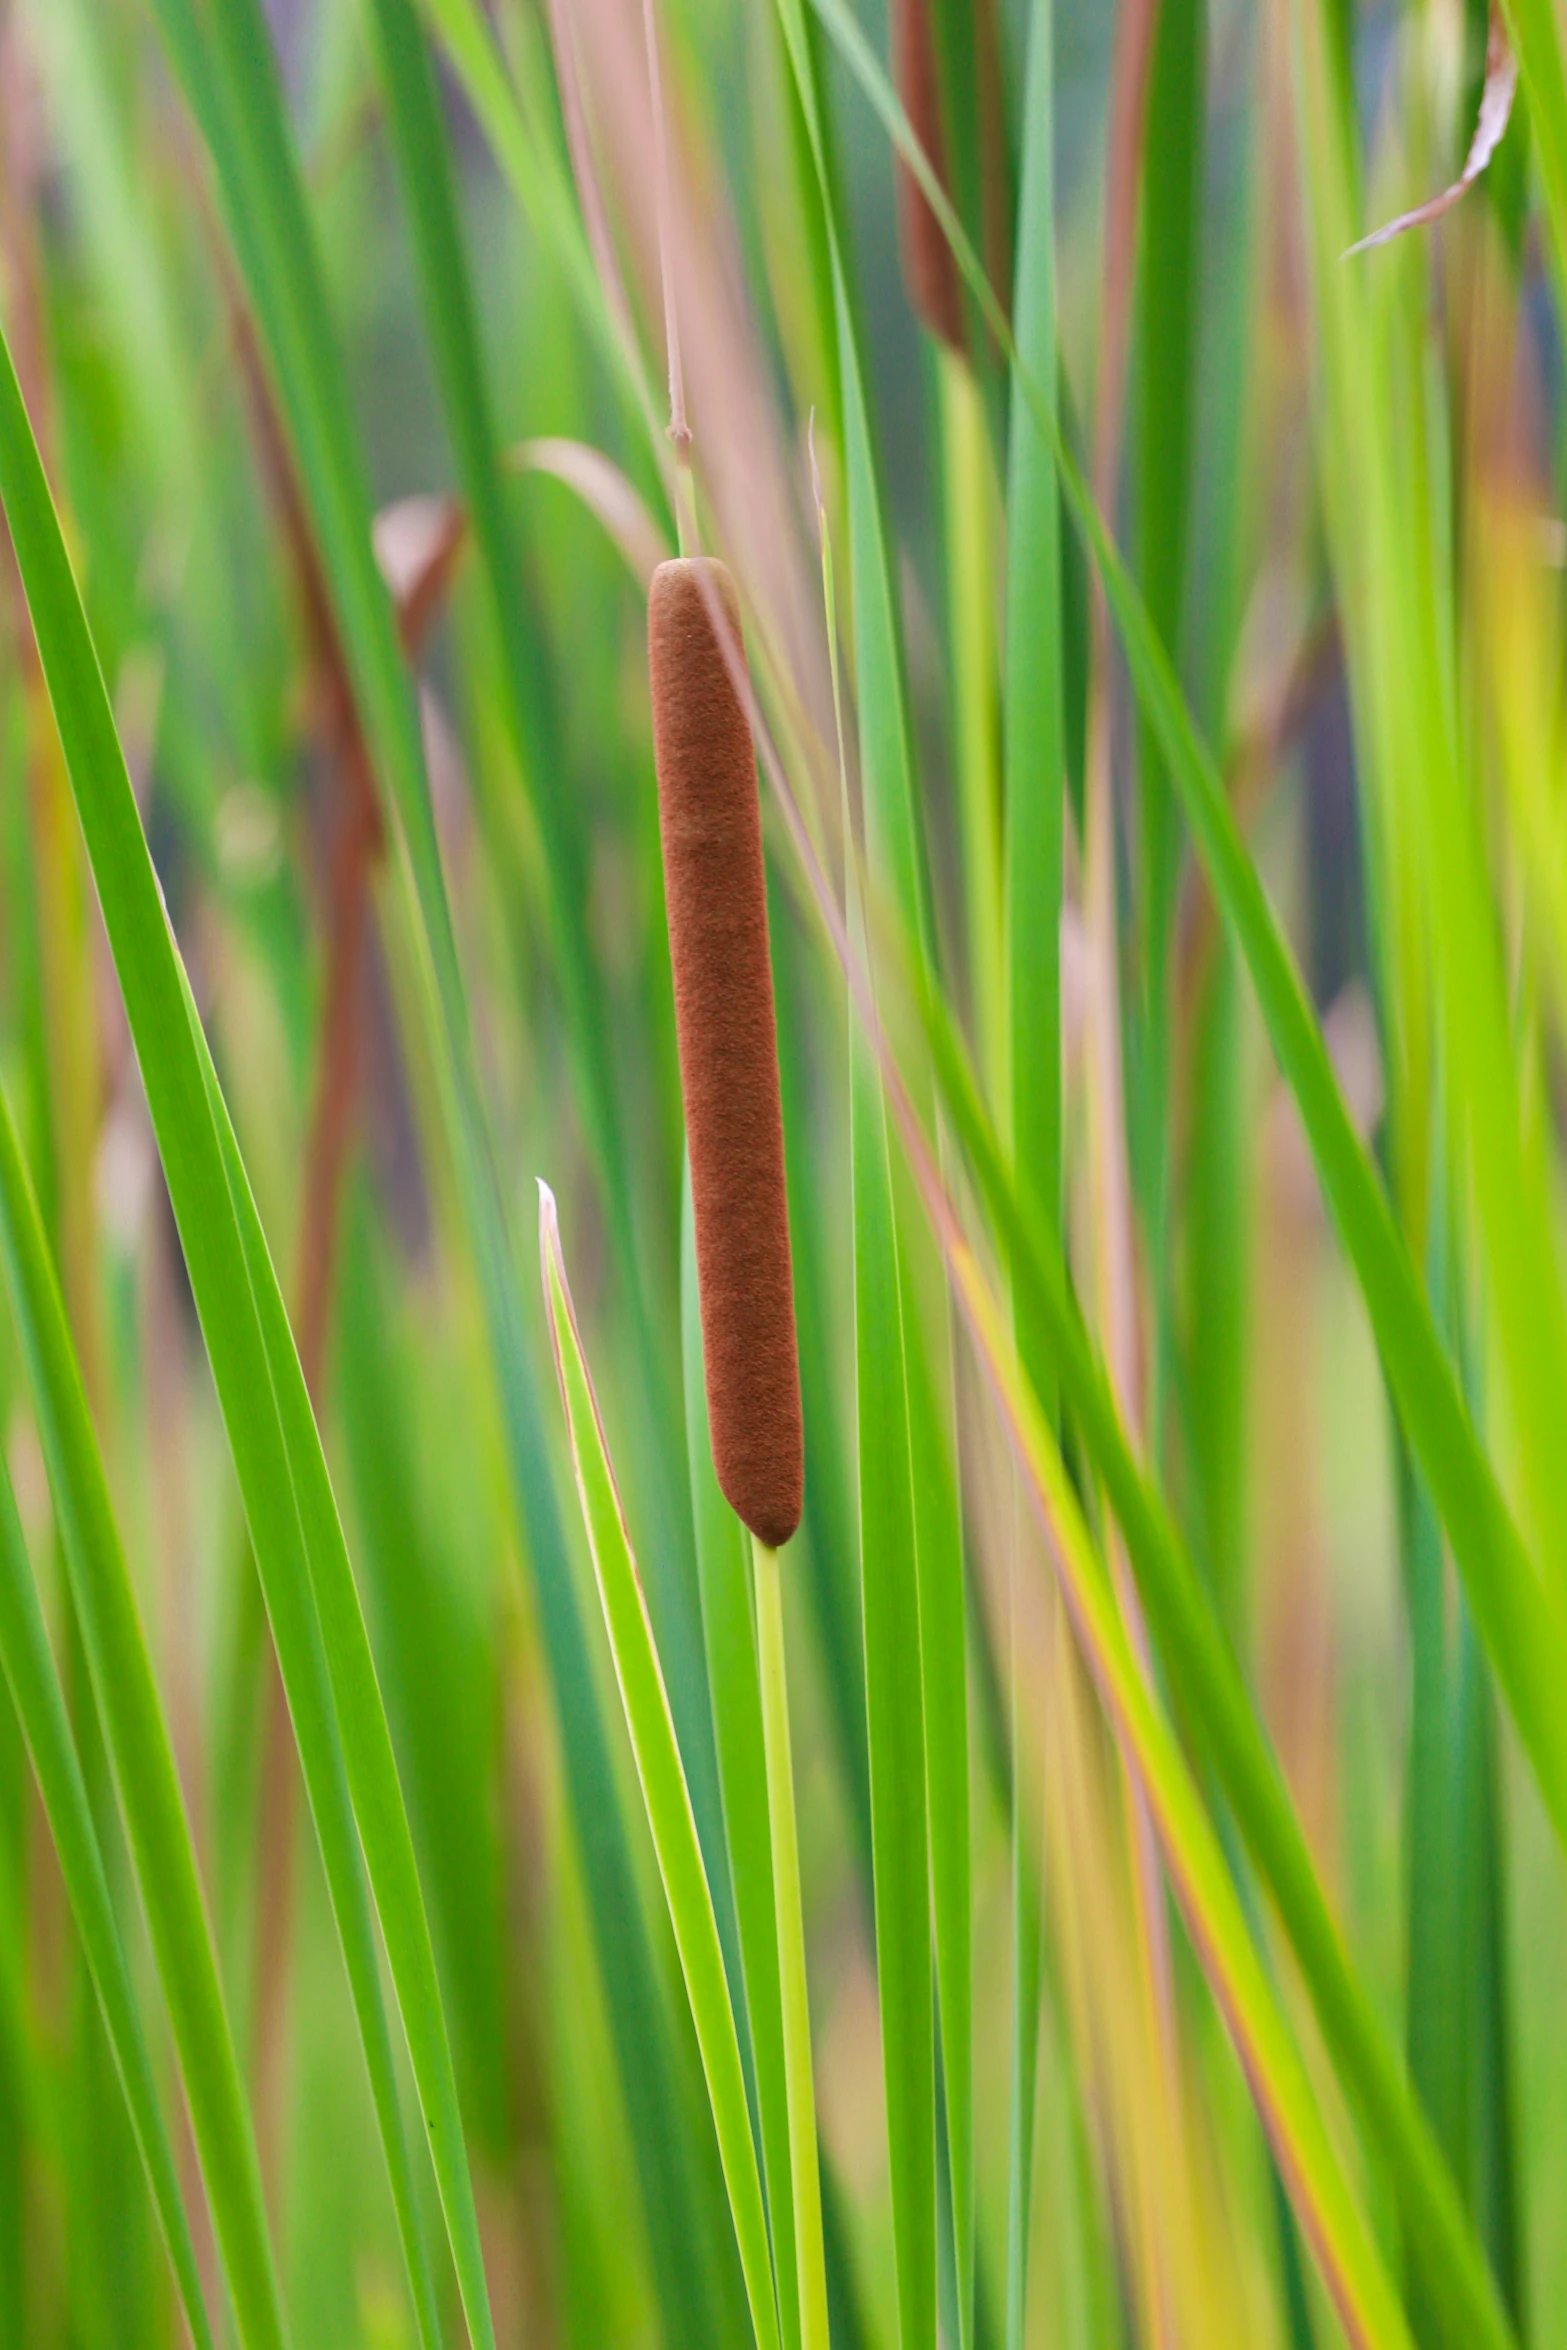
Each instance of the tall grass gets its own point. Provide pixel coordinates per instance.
(1101, 1882)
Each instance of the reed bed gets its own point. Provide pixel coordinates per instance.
(899, 676)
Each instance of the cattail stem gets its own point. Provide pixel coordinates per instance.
(799, 2076)
(679, 423)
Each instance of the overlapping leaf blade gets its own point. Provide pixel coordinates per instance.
(29, 1669)
(260, 1386)
(664, 1790)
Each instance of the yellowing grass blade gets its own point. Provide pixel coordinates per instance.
(1367, 2306)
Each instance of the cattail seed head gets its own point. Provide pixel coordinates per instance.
(711, 830)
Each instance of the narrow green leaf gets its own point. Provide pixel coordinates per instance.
(1536, 32)
(260, 1387)
(892, 1356)
(424, 163)
(916, 1693)
(1351, 2265)
(904, 1376)
(437, 1656)
(373, 1784)
(673, 1825)
(830, 1565)
(538, 180)
(123, 1684)
(1034, 774)
(728, 1622)
(225, 64)
(804, 2151)
(425, 176)
(1483, 1837)
(1522, 1622)
(1170, 244)
(970, 532)
(895, 1708)
(1218, 1713)
(40, 1704)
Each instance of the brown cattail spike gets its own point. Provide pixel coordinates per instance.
(711, 829)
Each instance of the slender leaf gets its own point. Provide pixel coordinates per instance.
(1521, 1620)
(1218, 1714)
(670, 1817)
(728, 1620)
(230, 79)
(40, 1704)
(425, 171)
(261, 1389)
(1035, 761)
(1352, 2268)
(895, 1709)
(123, 1685)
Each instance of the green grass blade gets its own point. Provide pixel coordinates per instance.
(1483, 1831)
(969, 536)
(537, 179)
(829, 1529)
(895, 1710)
(938, 1550)
(1218, 1713)
(425, 175)
(1386, 477)
(40, 1705)
(230, 79)
(1523, 1625)
(1352, 2267)
(424, 163)
(437, 1657)
(728, 1621)
(673, 1825)
(1033, 712)
(127, 1697)
(1536, 32)
(371, 1769)
(255, 1368)
(910, 1534)
(1170, 243)
(1034, 777)
(893, 1355)
(804, 2150)
(914, 1641)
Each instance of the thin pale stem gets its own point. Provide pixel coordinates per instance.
(679, 425)
(804, 2176)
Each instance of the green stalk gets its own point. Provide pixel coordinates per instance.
(139, 1746)
(969, 492)
(804, 2163)
(734, 1676)
(1217, 1712)
(40, 1705)
(661, 1775)
(1170, 247)
(534, 725)
(224, 61)
(1034, 741)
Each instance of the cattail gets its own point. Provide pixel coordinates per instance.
(711, 829)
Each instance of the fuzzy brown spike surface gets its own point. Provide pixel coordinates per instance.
(711, 830)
